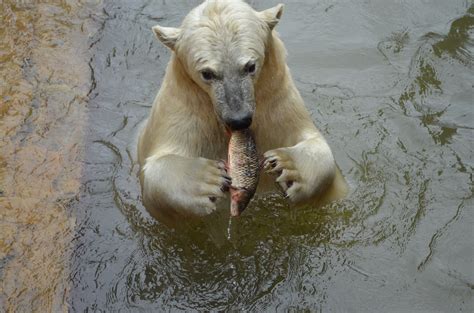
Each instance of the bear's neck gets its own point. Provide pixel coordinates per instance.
(190, 111)
(274, 78)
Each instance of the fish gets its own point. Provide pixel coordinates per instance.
(243, 166)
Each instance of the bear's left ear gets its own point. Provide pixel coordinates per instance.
(167, 35)
(272, 16)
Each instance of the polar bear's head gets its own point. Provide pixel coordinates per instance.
(221, 45)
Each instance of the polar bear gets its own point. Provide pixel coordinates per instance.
(228, 72)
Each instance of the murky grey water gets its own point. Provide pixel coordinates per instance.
(389, 83)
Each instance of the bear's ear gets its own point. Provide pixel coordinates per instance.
(272, 16)
(167, 35)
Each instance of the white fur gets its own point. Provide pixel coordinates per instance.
(183, 138)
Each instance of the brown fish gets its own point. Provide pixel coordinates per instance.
(244, 169)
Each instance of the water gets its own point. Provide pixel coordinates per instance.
(389, 83)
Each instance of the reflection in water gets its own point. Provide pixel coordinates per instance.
(391, 92)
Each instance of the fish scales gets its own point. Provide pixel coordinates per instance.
(243, 168)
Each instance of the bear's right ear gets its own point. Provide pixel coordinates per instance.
(167, 35)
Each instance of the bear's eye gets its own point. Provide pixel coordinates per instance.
(250, 67)
(208, 75)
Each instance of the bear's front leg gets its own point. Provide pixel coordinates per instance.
(303, 171)
(190, 186)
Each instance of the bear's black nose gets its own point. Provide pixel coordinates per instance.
(239, 123)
